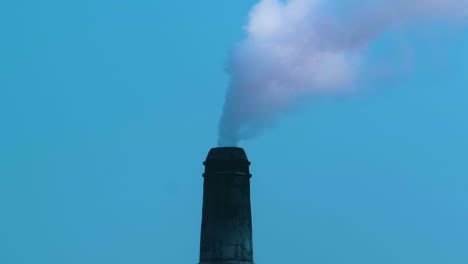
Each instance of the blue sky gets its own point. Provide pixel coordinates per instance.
(108, 109)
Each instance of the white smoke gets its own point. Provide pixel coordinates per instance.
(301, 47)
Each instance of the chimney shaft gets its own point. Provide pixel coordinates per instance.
(226, 229)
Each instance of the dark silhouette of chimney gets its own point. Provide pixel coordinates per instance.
(226, 229)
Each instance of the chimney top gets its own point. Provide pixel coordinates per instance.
(227, 154)
(227, 159)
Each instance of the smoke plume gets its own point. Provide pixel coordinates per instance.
(297, 48)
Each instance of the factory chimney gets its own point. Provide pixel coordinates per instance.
(226, 229)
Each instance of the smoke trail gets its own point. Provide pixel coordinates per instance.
(301, 47)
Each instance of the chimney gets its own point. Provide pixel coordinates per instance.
(226, 229)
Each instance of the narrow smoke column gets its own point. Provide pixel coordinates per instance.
(226, 229)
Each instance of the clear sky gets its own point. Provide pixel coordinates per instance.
(108, 109)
